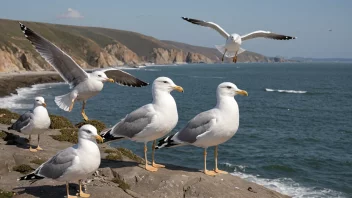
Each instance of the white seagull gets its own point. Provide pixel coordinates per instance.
(73, 163)
(151, 121)
(232, 47)
(35, 121)
(85, 85)
(212, 127)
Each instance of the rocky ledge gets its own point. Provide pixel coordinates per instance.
(121, 172)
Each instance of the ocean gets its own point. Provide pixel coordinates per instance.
(295, 126)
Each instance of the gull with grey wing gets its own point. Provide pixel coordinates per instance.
(84, 85)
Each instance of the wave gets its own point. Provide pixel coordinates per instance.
(284, 185)
(285, 91)
(12, 101)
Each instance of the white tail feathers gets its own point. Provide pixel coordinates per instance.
(228, 54)
(64, 101)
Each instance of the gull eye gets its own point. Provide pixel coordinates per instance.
(99, 75)
(229, 87)
(89, 132)
(165, 81)
(37, 100)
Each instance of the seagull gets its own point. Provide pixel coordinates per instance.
(151, 121)
(84, 85)
(35, 121)
(212, 127)
(233, 42)
(73, 163)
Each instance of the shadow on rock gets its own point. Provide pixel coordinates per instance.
(116, 164)
(12, 139)
(48, 191)
(122, 164)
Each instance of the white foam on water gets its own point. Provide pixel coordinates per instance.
(284, 185)
(12, 101)
(285, 91)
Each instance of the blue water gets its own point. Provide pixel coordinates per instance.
(295, 127)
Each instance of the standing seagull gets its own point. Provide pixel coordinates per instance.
(73, 163)
(85, 85)
(34, 121)
(151, 121)
(212, 127)
(233, 42)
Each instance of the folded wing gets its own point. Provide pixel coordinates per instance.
(199, 125)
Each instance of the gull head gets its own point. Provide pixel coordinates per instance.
(166, 84)
(89, 132)
(101, 76)
(39, 101)
(230, 89)
(235, 38)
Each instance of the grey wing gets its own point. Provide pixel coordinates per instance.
(22, 122)
(266, 34)
(208, 24)
(68, 69)
(200, 124)
(134, 123)
(124, 78)
(57, 165)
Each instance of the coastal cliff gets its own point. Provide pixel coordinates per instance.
(93, 47)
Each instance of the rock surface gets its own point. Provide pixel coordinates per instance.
(123, 177)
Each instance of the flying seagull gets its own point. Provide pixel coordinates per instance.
(35, 121)
(73, 163)
(84, 85)
(232, 47)
(212, 127)
(151, 121)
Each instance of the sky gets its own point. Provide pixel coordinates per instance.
(309, 20)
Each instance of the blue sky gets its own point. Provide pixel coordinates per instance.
(309, 20)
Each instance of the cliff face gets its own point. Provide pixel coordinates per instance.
(94, 47)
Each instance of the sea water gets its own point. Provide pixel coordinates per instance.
(295, 129)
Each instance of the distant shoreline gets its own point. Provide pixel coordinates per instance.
(10, 82)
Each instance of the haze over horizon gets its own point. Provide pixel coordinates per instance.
(310, 21)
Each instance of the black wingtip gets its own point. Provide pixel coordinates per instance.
(106, 135)
(22, 26)
(31, 176)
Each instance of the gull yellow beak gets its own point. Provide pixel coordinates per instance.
(178, 88)
(242, 92)
(99, 138)
(110, 80)
(44, 104)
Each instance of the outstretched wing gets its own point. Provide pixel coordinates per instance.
(199, 125)
(68, 69)
(124, 78)
(266, 34)
(208, 24)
